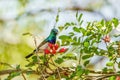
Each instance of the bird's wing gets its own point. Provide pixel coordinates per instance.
(42, 44)
(37, 49)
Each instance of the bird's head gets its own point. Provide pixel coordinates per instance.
(55, 31)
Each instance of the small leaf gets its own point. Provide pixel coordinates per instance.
(65, 43)
(112, 78)
(35, 59)
(81, 22)
(12, 75)
(105, 69)
(87, 72)
(64, 37)
(18, 67)
(71, 34)
(79, 71)
(79, 19)
(70, 56)
(86, 44)
(75, 39)
(59, 60)
(86, 56)
(31, 64)
(76, 14)
(119, 65)
(86, 62)
(115, 21)
(102, 22)
(60, 28)
(82, 30)
(109, 64)
(76, 29)
(29, 72)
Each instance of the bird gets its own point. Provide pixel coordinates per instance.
(50, 39)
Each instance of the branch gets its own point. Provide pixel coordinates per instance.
(96, 75)
(3, 72)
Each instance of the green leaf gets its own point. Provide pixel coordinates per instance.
(30, 64)
(119, 65)
(102, 22)
(105, 69)
(35, 59)
(64, 37)
(65, 43)
(115, 22)
(52, 77)
(23, 2)
(86, 44)
(76, 29)
(75, 39)
(69, 56)
(71, 33)
(81, 22)
(79, 19)
(86, 62)
(109, 64)
(76, 14)
(112, 78)
(57, 18)
(86, 56)
(29, 72)
(87, 72)
(59, 60)
(12, 75)
(82, 30)
(79, 40)
(18, 67)
(79, 71)
(60, 28)
(67, 24)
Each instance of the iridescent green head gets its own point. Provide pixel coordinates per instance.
(54, 31)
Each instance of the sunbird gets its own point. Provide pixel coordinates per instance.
(50, 39)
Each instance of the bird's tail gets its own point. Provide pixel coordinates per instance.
(29, 55)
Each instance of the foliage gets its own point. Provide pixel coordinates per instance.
(84, 41)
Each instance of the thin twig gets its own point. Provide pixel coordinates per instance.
(6, 64)
(24, 76)
(57, 69)
(106, 76)
(3, 72)
(80, 49)
(42, 70)
(59, 74)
